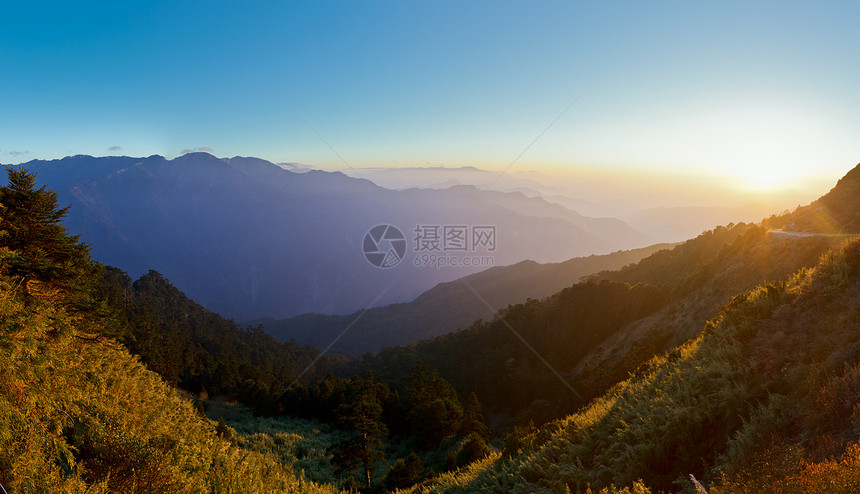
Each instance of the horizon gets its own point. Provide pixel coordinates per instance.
(759, 95)
(664, 189)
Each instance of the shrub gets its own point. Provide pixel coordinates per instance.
(405, 472)
(473, 449)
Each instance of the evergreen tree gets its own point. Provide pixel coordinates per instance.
(434, 409)
(43, 249)
(361, 415)
(473, 419)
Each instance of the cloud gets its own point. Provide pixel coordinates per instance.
(204, 149)
(16, 153)
(296, 167)
(115, 148)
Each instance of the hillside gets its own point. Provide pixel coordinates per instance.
(836, 212)
(748, 389)
(247, 239)
(83, 415)
(593, 334)
(762, 400)
(198, 350)
(447, 306)
(78, 413)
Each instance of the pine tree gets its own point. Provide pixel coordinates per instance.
(473, 419)
(361, 415)
(43, 250)
(434, 409)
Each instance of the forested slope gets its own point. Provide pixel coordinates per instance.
(543, 359)
(764, 399)
(198, 350)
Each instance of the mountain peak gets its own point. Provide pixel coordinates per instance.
(196, 155)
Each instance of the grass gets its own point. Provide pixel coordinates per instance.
(81, 415)
(300, 444)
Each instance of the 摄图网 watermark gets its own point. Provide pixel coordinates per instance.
(433, 245)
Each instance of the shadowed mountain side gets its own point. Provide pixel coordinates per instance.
(447, 306)
(247, 239)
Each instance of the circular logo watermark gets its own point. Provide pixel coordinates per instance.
(384, 246)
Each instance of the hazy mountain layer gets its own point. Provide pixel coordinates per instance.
(447, 306)
(665, 213)
(247, 238)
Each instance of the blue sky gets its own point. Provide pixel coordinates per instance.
(762, 91)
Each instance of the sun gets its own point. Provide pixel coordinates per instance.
(764, 177)
(764, 161)
(761, 163)
(761, 147)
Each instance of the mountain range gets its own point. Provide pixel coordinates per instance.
(247, 238)
(665, 213)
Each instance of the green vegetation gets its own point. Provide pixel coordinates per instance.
(510, 378)
(200, 351)
(78, 413)
(419, 427)
(302, 444)
(360, 415)
(43, 256)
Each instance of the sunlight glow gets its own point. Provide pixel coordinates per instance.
(767, 150)
(764, 173)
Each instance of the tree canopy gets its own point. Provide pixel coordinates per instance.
(43, 250)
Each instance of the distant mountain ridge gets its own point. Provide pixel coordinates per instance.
(665, 214)
(247, 239)
(446, 307)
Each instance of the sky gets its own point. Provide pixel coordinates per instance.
(764, 94)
